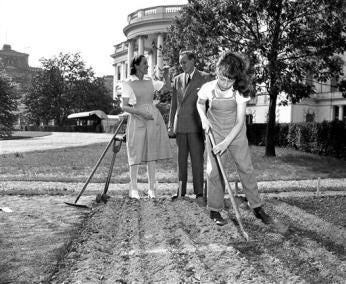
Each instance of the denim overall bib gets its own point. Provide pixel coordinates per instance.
(222, 114)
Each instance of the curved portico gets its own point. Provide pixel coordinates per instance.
(145, 33)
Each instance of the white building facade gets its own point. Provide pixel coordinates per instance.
(145, 34)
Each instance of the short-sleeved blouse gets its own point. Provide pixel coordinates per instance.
(206, 92)
(127, 91)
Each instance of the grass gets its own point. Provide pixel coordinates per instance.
(75, 164)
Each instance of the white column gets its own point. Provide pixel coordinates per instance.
(140, 45)
(123, 71)
(129, 55)
(115, 80)
(151, 64)
(341, 112)
(159, 52)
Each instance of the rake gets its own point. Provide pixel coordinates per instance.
(116, 141)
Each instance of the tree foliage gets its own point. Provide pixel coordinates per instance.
(285, 41)
(65, 85)
(8, 104)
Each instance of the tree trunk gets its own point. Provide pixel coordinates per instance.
(270, 131)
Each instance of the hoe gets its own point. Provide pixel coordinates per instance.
(228, 187)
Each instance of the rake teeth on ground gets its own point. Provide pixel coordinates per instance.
(77, 205)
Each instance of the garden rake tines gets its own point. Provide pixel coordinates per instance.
(227, 185)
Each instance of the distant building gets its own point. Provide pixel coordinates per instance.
(327, 104)
(145, 34)
(17, 67)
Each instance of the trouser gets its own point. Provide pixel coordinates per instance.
(193, 144)
(240, 153)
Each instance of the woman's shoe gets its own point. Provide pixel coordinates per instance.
(133, 193)
(152, 193)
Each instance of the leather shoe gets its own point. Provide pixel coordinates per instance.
(260, 214)
(217, 218)
(266, 219)
(200, 201)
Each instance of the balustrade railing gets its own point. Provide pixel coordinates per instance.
(152, 11)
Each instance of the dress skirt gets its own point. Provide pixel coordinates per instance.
(147, 140)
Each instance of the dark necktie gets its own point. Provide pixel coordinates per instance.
(188, 79)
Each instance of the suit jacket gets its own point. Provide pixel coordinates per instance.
(183, 116)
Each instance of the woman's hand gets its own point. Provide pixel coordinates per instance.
(221, 147)
(205, 124)
(147, 116)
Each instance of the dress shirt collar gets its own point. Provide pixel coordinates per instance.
(191, 74)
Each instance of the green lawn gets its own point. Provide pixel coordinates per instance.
(75, 164)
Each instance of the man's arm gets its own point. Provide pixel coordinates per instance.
(173, 107)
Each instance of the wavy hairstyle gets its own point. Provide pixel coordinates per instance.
(233, 66)
(135, 61)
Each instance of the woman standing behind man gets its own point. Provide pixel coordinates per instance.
(146, 133)
(227, 97)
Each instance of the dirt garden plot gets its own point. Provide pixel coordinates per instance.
(126, 241)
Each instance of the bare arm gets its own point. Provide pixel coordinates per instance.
(128, 108)
(201, 108)
(173, 109)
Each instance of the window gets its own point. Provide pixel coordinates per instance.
(119, 73)
(333, 84)
(336, 112)
(309, 79)
(310, 117)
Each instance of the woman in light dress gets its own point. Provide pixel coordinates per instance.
(146, 133)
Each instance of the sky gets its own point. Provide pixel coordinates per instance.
(44, 28)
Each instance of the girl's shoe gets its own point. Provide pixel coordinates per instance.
(133, 193)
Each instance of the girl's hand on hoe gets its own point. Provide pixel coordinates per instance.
(221, 147)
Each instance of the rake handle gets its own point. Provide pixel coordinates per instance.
(99, 160)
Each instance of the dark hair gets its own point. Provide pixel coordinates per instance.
(233, 66)
(190, 54)
(135, 61)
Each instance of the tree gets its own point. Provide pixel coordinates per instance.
(8, 104)
(65, 85)
(285, 41)
(91, 94)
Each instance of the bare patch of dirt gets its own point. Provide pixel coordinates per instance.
(35, 236)
(175, 242)
(128, 241)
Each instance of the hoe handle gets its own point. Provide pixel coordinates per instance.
(228, 187)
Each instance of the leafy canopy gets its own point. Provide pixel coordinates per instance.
(64, 86)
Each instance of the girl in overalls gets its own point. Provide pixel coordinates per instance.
(227, 97)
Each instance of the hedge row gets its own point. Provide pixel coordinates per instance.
(326, 138)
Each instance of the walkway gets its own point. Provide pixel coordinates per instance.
(54, 141)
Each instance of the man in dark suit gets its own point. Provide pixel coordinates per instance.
(185, 123)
